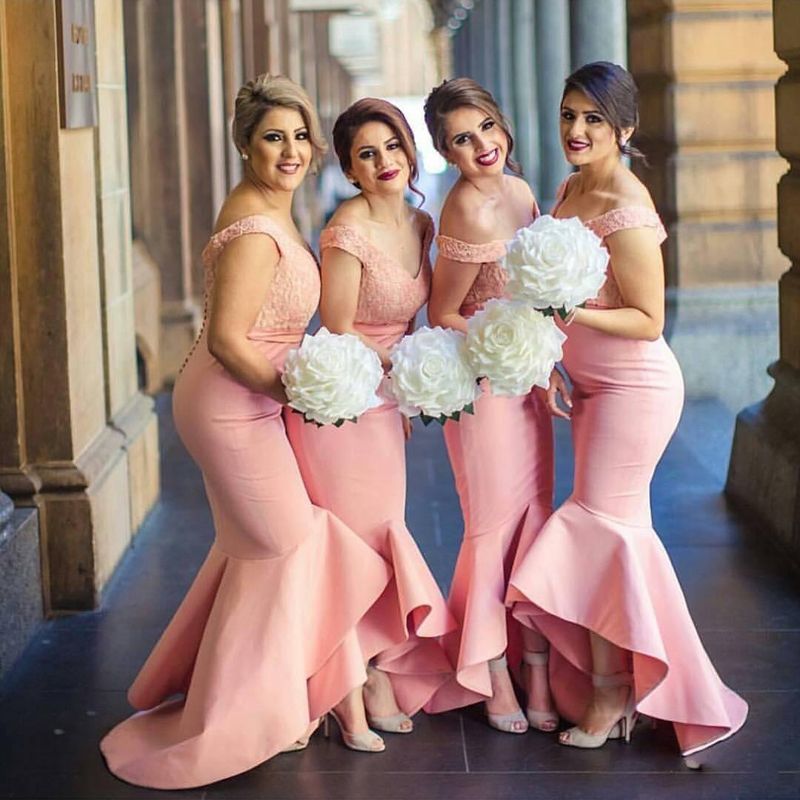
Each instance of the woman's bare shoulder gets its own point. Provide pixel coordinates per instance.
(464, 216)
(352, 212)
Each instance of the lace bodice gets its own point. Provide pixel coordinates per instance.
(618, 219)
(294, 293)
(387, 294)
(491, 279)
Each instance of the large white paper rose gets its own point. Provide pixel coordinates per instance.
(430, 374)
(514, 346)
(332, 377)
(555, 264)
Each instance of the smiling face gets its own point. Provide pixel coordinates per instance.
(476, 144)
(586, 135)
(279, 152)
(378, 163)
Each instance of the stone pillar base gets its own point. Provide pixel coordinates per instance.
(764, 473)
(20, 576)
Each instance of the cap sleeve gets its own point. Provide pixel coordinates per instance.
(620, 219)
(470, 253)
(256, 223)
(344, 237)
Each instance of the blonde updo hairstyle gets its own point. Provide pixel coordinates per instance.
(258, 96)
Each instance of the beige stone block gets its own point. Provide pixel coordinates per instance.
(724, 114)
(121, 352)
(787, 102)
(723, 44)
(110, 45)
(720, 184)
(110, 508)
(117, 266)
(82, 287)
(144, 472)
(113, 134)
(787, 27)
(642, 9)
(709, 254)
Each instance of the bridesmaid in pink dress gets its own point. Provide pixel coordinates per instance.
(597, 580)
(502, 457)
(376, 276)
(256, 652)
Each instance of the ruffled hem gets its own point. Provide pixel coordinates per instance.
(402, 630)
(256, 648)
(587, 572)
(477, 598)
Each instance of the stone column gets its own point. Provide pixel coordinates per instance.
(552, 67)
(83, 441)
(523, 88)
(476, 43)
(598, 31)
(503, 56)
(764, 474)
(487, 23)
(707, 125)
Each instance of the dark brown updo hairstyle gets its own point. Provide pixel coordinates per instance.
(373, 109)
(258, 96)
(615, 92)
(458, 93)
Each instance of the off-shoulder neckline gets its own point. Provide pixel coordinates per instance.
(271, 222)
(562, 195)
(423, 254)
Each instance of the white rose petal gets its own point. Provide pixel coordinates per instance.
(514, 346)
(555, 263)
(332, 377)
(430, 374)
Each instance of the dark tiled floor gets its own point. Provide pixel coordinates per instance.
(69, 687)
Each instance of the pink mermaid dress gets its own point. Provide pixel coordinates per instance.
(256, 649)
(502, 459)
(358, 471)
(597, 564)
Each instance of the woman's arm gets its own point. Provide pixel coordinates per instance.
(451, 282)
(244, 273)
(341, 281)
(639, 273)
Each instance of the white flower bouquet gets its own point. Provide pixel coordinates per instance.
(430, 375)
(555, 265)
(332, 378)
(514, 346)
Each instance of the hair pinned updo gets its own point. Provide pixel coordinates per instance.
(459, 93)
(258, 96)
(615, 92)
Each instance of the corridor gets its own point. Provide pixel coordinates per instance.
(69, 686)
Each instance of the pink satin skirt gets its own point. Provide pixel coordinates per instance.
(598, 565)
(502, 460)
(259, 646)
(358, 472)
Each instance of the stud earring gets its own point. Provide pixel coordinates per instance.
(244, 156)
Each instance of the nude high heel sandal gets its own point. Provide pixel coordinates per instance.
(545, 721)
(367, 742)
(621, 729)
(392, 723)
(302, 742)
(507, 723)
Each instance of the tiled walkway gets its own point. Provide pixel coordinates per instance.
(69, 687)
